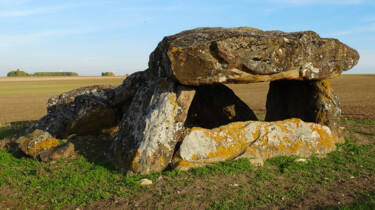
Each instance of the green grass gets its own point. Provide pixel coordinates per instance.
(365, 202)
(361, 122)
(84, 179)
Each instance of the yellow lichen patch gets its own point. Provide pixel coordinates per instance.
(232, 131)
(43, 145)
(184, 165)
(31, 151)
(264, 141)
(36, 142)
(281, 147)
(296, 146)
(287, 140)
(223, 152)
(281, 125)
(256, 134)
(175, 49)
(161, 160)
(166, 149)
(195, 157)
(293, 120)
(307, 146)
(326, 84)
(251, 150)
(267, 154)
(134, 164)
(324, 40)
(324, 138)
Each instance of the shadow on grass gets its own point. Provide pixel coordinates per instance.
(93, 148)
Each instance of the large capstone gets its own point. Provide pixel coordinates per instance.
(245, 55)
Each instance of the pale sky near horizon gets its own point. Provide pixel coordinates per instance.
(94, 36)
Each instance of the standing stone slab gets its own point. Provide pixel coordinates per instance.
(311, 101)
(151, 127)
(259, 140)
(78, 107)
(245, 55)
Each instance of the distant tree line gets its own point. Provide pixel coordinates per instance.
(19, 73)
(109, 74)
(55, 74)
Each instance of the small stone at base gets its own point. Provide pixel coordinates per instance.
(145, 182)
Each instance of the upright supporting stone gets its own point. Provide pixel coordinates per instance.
(311, 101)
(151, 127)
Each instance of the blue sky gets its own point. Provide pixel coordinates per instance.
(93, 36)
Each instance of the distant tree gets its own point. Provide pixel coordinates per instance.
(17, 73)
(110, 74)
(55, 74)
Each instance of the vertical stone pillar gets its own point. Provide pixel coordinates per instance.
(310, 101)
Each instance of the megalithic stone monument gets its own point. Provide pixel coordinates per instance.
(179, 114)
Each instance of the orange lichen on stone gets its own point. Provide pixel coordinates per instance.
(161, 160)
(296, 146)
(184, 165)
(134, 164)
(325, 139)
(36, 142)
(43, 145)
(281, 146)
(175, 49)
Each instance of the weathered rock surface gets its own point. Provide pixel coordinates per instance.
(91, 115)
(86, 110)
(104, 92)
(36, 143)
(151, 127)
(245, 55)
(310, 101)
(61, 151)
(259, 140)
(216, 105)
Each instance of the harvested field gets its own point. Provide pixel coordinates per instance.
(25, 98)
(356, 94)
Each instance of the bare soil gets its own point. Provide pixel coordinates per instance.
(25, 98)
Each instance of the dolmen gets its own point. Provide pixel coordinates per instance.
(178, 113)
